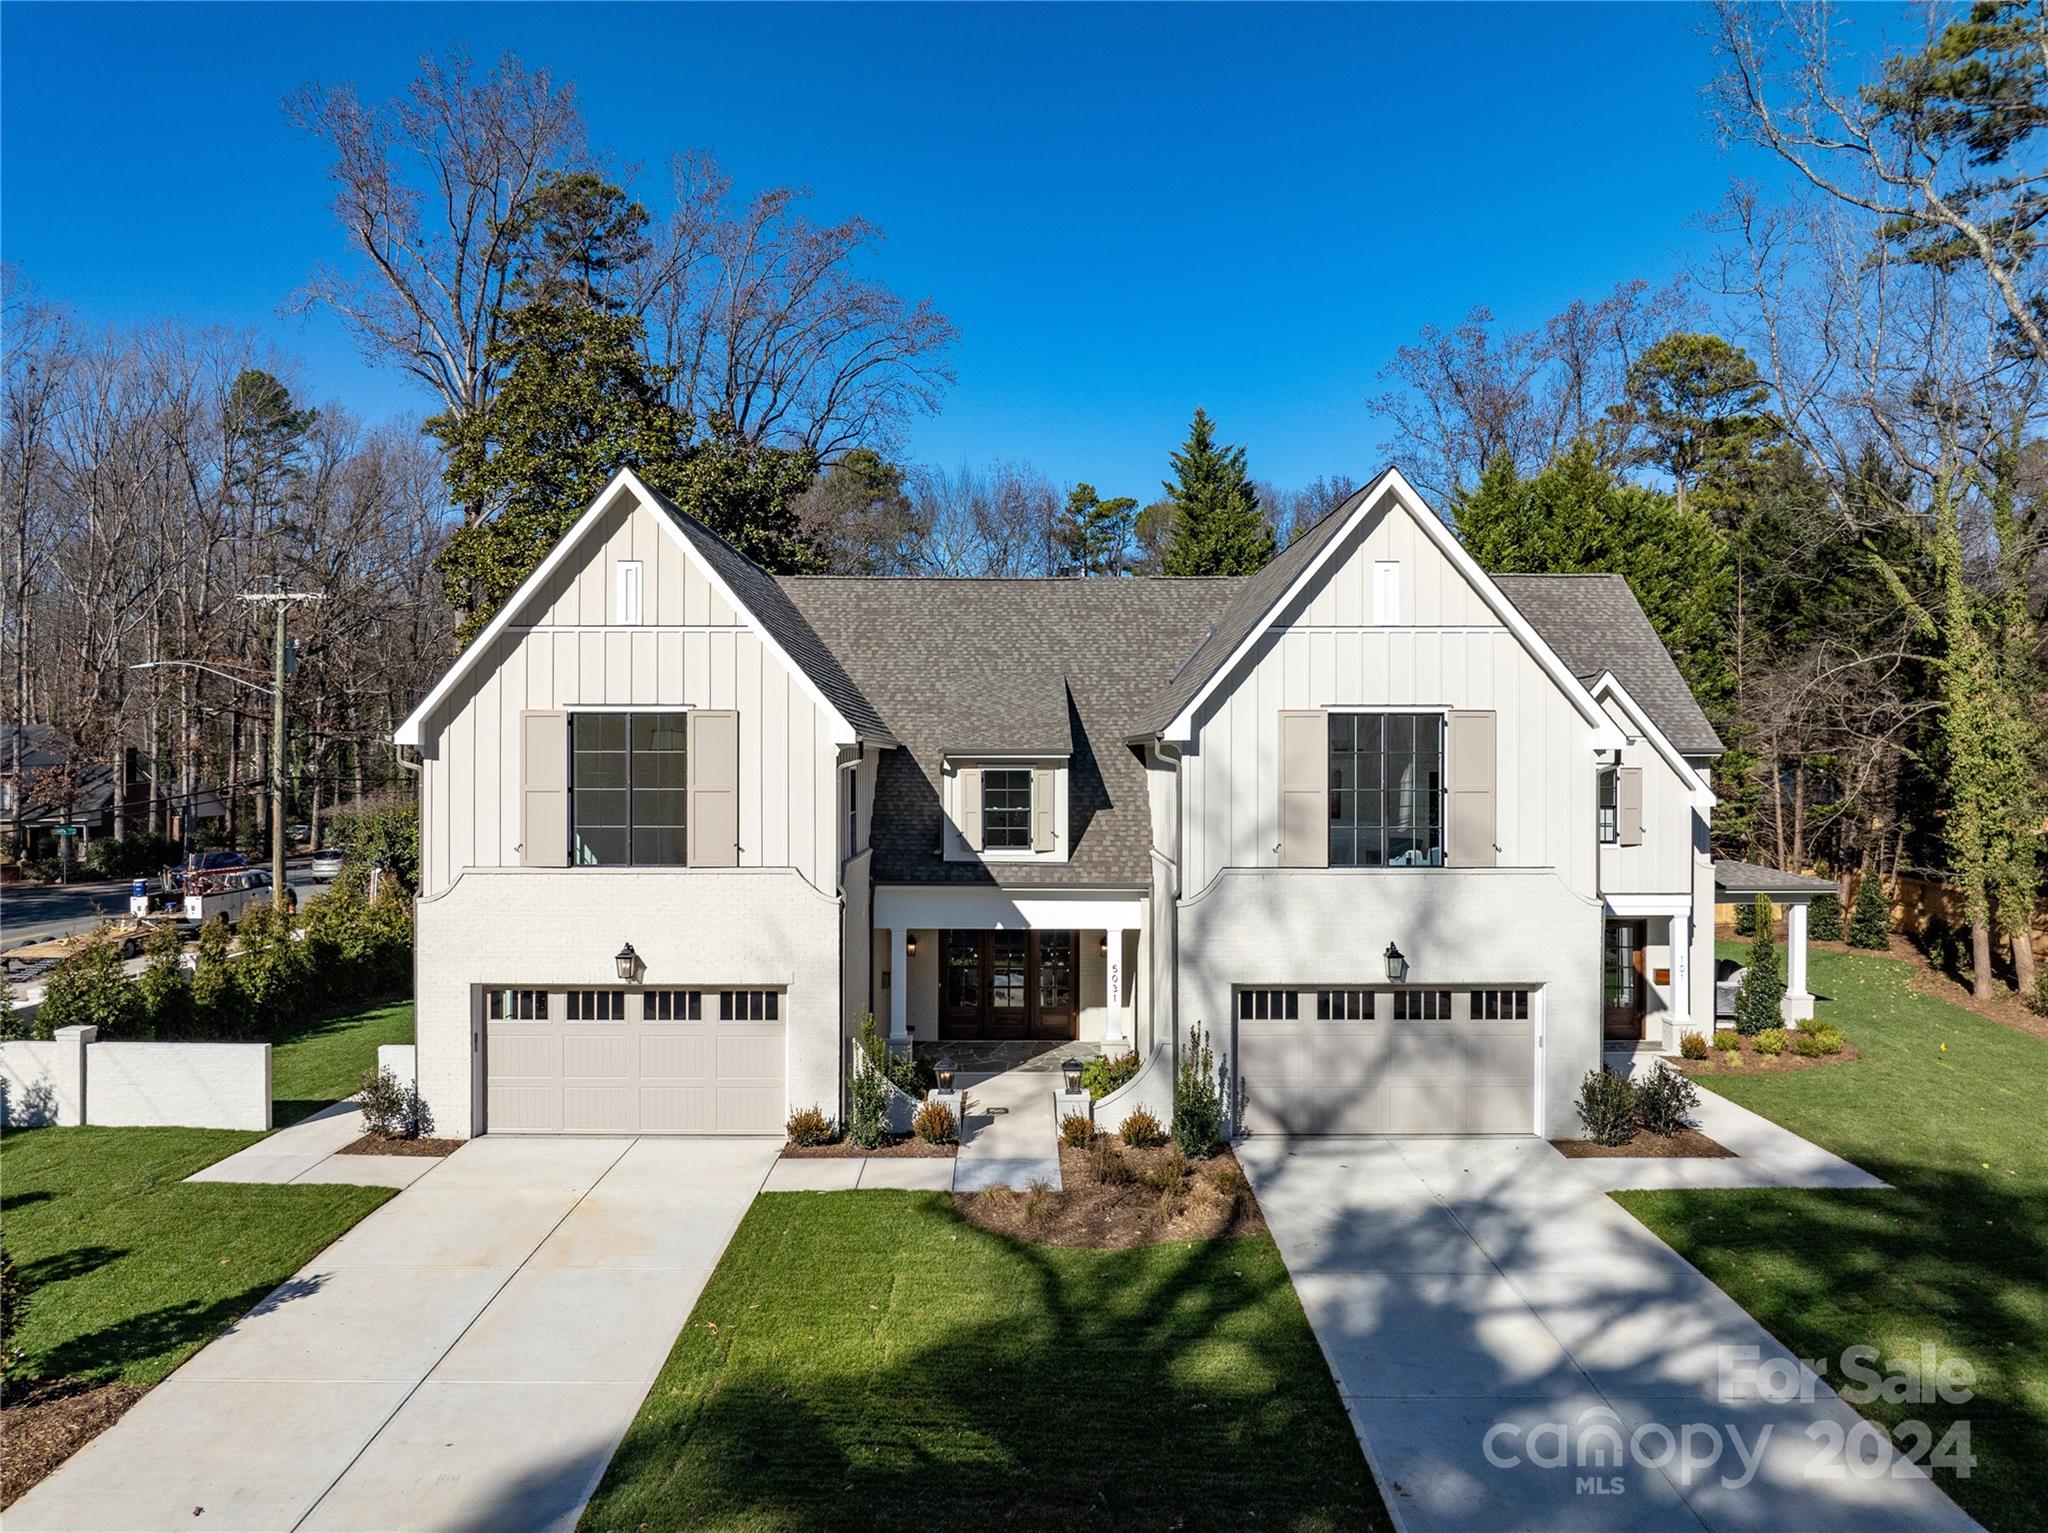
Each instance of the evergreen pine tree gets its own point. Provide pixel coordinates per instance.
(1093, 535)
(1870, 923)
(1218, 528)
(1763, 983)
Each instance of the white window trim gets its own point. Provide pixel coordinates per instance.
(1028, 851)
(632, 587)
(1386, 593)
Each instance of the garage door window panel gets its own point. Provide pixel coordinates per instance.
(628, 789)
(518, 1006)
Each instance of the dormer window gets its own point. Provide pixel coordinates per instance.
(1006, 808)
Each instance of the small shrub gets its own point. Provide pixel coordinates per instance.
(1763, 986)
(1745, 920)
(1197, 1097)
(13, 1312)
(808, 1126)
(415, 1120)
(934, 1124)
(1813, 1042)
(1141, 1130)
(1166, 1173)
(275, 967)
(2037, 1003)
(383, 1102)
(88, 989)
(1607, 1106)
(1692, 1045)
(1806, 1045)
(1727, 1038)
(1663, 1100)
(1107, 1165)
(1771, 1042)
(1870, 918)
(1732, 1058)
(1229, 1180)
(1077, 1131)
(1824, 918)
(1104, 1073)
(165, 984)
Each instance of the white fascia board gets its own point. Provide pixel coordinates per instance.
(922, 907)
(625, 481)
(1629, 906)
(1698, 790)
(1393, 483)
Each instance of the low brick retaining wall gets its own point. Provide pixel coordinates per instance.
(74, 1079)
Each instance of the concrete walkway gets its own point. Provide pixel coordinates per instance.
(467, 1357)
(1010, 1139)
(1468, 1292)
(307, 1151)
(845, 1173)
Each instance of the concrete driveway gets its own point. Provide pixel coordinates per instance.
(467, 1357)
(1482, 1306)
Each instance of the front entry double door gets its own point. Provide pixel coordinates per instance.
(1009, 984)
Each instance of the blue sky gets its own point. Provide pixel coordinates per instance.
(1126, 211)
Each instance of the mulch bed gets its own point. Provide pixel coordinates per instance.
(910, 1147)
(1754, 1063)
(43, 1424)
(1152, 1197)
(1687, 1143)
(370, 1144)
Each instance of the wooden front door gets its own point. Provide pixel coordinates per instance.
(1005, 984)
(1622, 981)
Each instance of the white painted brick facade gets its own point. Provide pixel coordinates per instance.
(42, 1081)
(1457, 927)
(692, 927)
(187, 1085)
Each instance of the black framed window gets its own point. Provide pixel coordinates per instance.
(850, 776)
(627, 789)
(1610, 806)
(963, 970)
(1006, 809)
(1386, 790)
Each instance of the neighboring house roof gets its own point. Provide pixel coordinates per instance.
(751, 590)
(42, 746)
(1745, 880)
(1595, 624)
(947, 662)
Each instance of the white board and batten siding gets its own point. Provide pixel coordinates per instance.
(569, 649)
(1659, 829)
(1446, 651)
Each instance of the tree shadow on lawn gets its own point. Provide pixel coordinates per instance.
(1942, 1258)
(169, 1333)
(1161, 1386)
(61, 1266)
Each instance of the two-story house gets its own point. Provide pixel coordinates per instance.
(1411, 843)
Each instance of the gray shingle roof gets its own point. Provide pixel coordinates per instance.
(1254, 598)
(757, 589)
(974, 665)
(1595, 624)
(1744, 880)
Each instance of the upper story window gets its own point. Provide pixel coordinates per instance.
(849, 781)
(1610, 806)
(1006, 808)
(627, 789)
(1386, 790)
(630, 582)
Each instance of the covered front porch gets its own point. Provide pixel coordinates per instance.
(1738, 883)
(1029, 971)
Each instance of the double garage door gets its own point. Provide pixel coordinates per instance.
(633, 1061)
(1386, 1061)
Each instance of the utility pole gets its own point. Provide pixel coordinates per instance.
(283, 601)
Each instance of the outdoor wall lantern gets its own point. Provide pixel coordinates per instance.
(629, 963)
(1397, 965)
(1102, 943)
(1071, 1069)
(910, 945)
(944, 1071)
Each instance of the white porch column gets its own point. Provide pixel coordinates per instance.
(1113, 985)
(1798, 1001)
(1681, 970)
(899, 985)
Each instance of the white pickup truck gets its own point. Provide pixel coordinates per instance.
(224, 895)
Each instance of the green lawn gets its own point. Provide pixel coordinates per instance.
(321, 1062)
(1956, 1256)
(871, 1360)
(132, 1269)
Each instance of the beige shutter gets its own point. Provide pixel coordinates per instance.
(1041, 809)
(1471, 749)
(1304, 790)
(969, 786)
(713, 806)
(544, 789)
(1628, 806)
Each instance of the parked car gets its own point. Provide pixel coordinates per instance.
(327, 862)
(301, 834)
(1728, 977)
